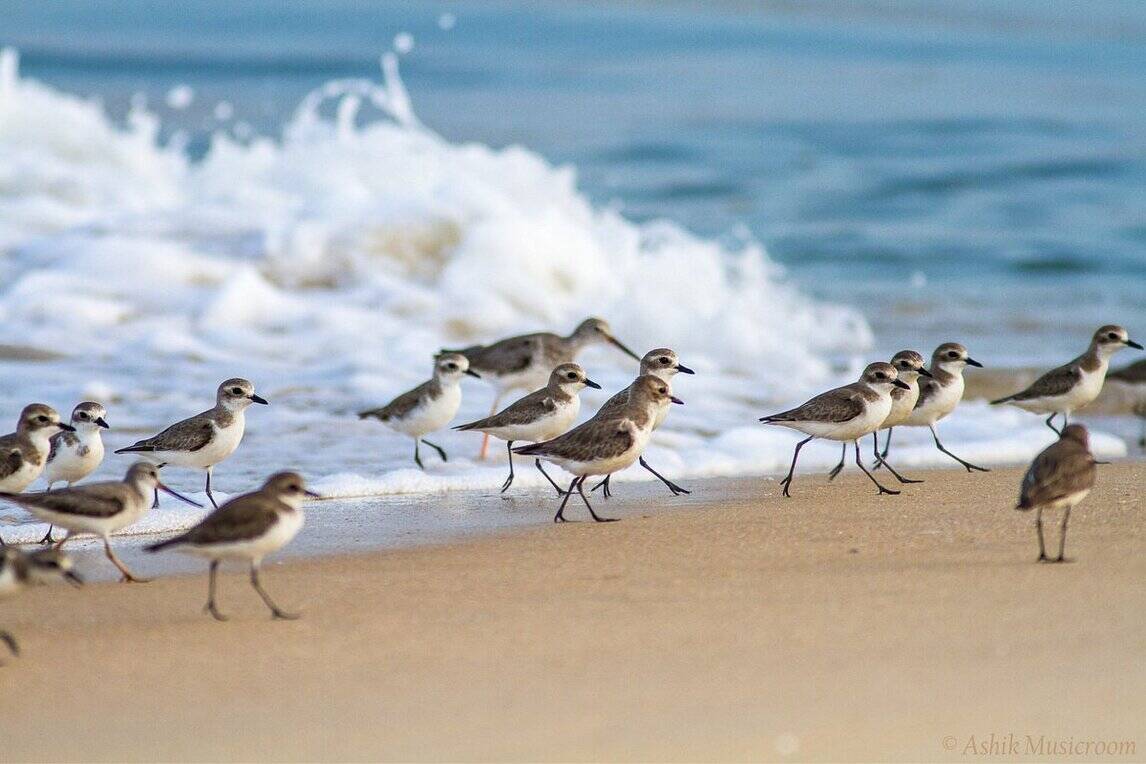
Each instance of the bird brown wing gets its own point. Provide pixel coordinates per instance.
(1063, 469)
(92, 500)
(1135, 373)
(241, 519)
(595, 439)
(616, 404)
(402, 405)
(188, 435)
(11, 457)
(504, 357)
(839, 405)
(1054, 383)
(524, 410)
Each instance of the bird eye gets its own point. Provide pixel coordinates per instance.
(665, 361)
(952, 354)
(82, 415)
(41, 418)
(1112, 336)
(572, 375)
(236, 391)
(452, 366)
(663, 390)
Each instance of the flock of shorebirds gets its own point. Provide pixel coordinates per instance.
(904, 392)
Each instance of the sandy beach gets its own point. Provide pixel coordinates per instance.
(728, 625)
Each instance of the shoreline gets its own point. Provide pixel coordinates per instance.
(834, 625)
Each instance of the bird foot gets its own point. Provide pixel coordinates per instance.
(283, 615)
(129, 579)
(888, 491)
(214, 611)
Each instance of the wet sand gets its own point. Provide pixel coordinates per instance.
(728, 625)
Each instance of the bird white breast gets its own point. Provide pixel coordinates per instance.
(432, 415)
(75, 462)
(549, 426)
(872, 416)
(1067, 501)
(277, 536)
(939, 405)
(1087, 389)
(23, 477)
(902, 407)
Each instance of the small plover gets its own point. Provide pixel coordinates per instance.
(202, 441)
(524, 362)
(247, 528)
(664, 364)
(939, 395)
(428, 407)
(100, 509)
(24, 452)
(75, 455)
(604, 445)
(1075, 384)
(1134, 377)
(1059, 478)
(19, 568)
(539, 416)
(845, 413)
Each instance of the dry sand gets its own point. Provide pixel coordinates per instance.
(729, 625)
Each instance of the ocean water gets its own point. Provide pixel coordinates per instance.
(320, 195)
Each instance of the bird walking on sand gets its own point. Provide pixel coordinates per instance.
(24, 452)
(202, 441)
(428, 407)
(539, 416)
(1134, 378)
(845, 413)
(663, 364)
(19, 569)
(247, 528)
(75, 455)
(1059, 478)
(524, 362)
(100, 509)
(604, 445)
(939, 395)
(1073, 385)
(909, 365)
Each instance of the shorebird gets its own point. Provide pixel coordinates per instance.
(539, 416)
(428, 407)
(664, 364)
(100, 509)
(1075, 384)
(247, 528)
(845, 413)
(1134, 377)
(1059, 478)
(204, 440)
(909, 365)
(524, 362)
(75, 455)
(939, 395)
(19, 569)
(604, 445)
(23, 453)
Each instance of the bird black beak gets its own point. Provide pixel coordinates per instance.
(103, 423)
(617, 343)
(65, 427)
(674, 399)
(257, 399)
(473, 373)
(592, 384)
(684, 369)
(901, 383)
(179, 496)
(1133, 344)
(314, 495)
(924, 372)
(74, 578)
(973, 362)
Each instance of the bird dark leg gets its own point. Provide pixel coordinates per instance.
(1062, 535)
(676, 489)
(939, 445)
(886, 444)
(541, 469)
(276, 611)
(441, 452)
(581, 490)
(1050, 423)
(560, 516)
(787, 481)
(48, 540)
(880, 461)
(839, 467)
(1039, 530)
(155, 502)
(211, 607)
(604, 484)
(859, 463)
(509, 480)
(7, 638)
(128, 576)
(417, 455)
(209, 494)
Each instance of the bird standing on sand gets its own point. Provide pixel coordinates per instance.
(604, 445)
(19, 568)
(204, 440)
(247, 528)
(1075, 384)
(541, 415)
(939, 395)
(845, 413)
(1059, 478)
(1134, 377)
(75, 455)
(24, 452)
(99, 508)
(524, 362)
(428, 407)
(663, 364)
